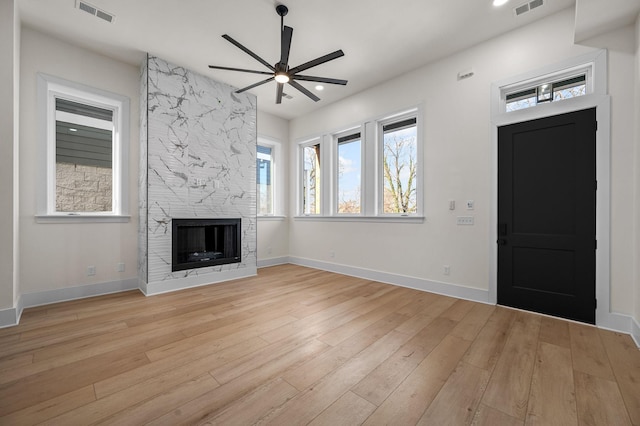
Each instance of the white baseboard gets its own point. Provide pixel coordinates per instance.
(10, 317)
(614, 322)
(635, 331)
(78, 292)
(453, 290)
(264, 263)
(159, 287)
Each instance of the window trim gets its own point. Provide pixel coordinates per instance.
(277, 178)
(50, 87)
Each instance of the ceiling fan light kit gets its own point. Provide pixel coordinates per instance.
(281, 72)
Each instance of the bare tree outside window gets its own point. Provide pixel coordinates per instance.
(399, 168)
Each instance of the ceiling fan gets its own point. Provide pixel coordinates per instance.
(281, 72)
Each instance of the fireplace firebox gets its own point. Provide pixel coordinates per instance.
(198, 243)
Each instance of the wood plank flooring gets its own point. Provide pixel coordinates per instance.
(298, 346)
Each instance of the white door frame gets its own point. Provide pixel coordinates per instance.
(598, 98)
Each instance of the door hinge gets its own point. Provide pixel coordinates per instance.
(596, 244)
(596, 185)
(595, 126)
(596, 304)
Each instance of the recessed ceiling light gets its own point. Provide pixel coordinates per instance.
(499, 2)
(319, 87)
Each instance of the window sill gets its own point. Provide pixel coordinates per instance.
(85, 218)
(379, 219)
(271, 218)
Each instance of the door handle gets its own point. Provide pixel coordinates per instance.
(501, 242)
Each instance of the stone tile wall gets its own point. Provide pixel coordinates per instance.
(199, 142)
(82, 188)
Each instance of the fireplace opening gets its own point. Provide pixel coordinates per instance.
(198, 243)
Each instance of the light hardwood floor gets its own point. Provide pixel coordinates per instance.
(297, 346)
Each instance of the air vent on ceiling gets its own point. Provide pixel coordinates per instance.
(522, 9)
(82, 5)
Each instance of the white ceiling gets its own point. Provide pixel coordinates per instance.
(381, 39)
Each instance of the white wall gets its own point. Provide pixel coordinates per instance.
(9, 117)
(458, 161)
(273, 233)
(55, 256)
(637, 181)
(621, 83)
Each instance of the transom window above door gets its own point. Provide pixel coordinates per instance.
(549, 91)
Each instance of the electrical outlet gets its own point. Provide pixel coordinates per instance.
(91, 270)
(452, 204)
(447, 270)
(465, 220)
(120, 267)
(470, 204)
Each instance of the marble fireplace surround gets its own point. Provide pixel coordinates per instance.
(198, 158)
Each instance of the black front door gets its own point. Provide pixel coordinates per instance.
(547, 215)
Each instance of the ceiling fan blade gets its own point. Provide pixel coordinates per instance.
(303, 90)
(240, 69)
(254, 85)
(319, 79)
(321, 60)
(247, 51)
(279, 93)
(285, 47)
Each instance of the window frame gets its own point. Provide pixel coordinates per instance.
(336, 168)
(419, 163)
(277, 178)
(587, 70)
(49, 89)
(322, 181)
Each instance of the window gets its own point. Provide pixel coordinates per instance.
(372, 171)
(84, 155)
(349, 173)
(264, 180)
(399, 166)
(84, 158)
(270, 181)
(547, 92)
(311, 183)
